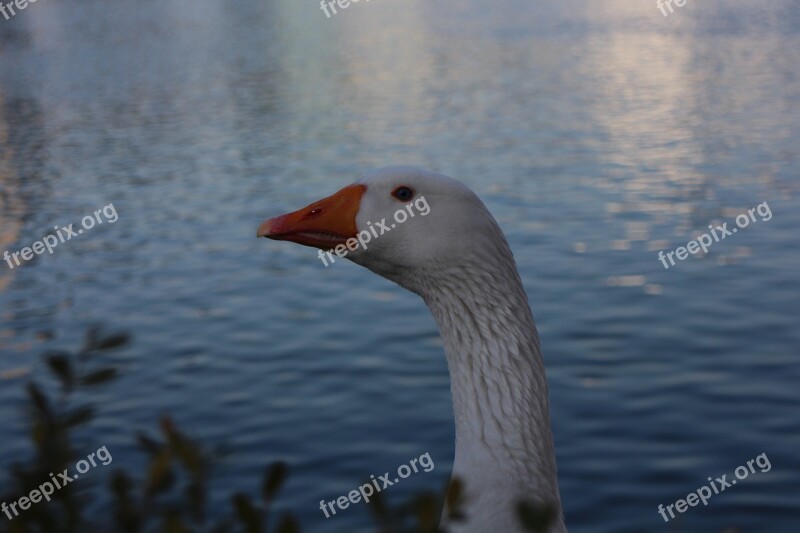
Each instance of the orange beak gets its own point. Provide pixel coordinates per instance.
(323, 224)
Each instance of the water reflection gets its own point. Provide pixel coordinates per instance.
(598, 133)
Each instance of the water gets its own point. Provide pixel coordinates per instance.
(597, 132)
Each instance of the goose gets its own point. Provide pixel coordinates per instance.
(457, 259)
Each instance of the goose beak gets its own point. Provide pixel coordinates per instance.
(323, 224)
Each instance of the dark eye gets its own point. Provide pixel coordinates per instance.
(403, 193)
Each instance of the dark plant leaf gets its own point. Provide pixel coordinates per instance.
(159, 475)
(454, 500)
(379, 509)
(150, 445)
(39, 400)
(39, 433)
(78, 416)
(273, 480)
(126, 512)
(288, 524)
(535, 518)
(120, 485)
(92, 336)
(248, 515)
(99, 377)
(184, 449)
(173, 523)
(61, 367)
(191, 457)
(112, 341)
(196, 497)
(225, 526)
(427, 511)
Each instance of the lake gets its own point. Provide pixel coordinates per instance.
(598, 133)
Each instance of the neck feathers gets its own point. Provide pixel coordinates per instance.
(504, 446)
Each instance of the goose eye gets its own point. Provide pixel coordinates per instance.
(403, 193)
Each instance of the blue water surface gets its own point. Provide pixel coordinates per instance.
(598, 133)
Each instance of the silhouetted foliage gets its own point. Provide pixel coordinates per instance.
(534, 517)
(171, 494)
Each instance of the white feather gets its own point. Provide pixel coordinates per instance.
(457, 259)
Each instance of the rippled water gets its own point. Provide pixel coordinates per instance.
(598, 133)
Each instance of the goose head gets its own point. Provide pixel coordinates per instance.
(403, 223)
(432, 235)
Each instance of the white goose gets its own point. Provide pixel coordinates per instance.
(458, 260)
